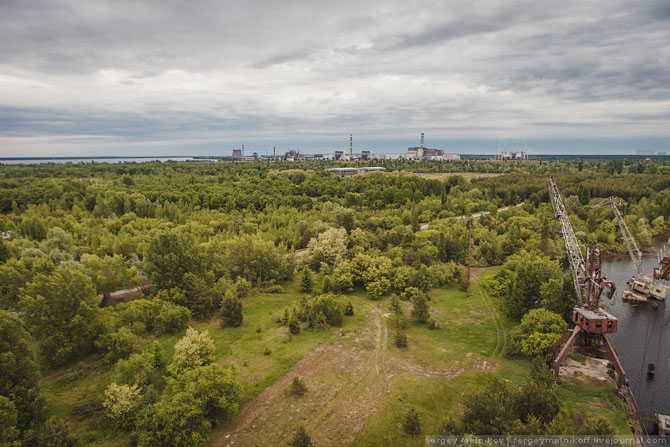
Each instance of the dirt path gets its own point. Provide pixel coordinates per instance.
(347, 378)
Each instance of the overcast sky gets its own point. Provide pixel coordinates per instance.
(85, 77)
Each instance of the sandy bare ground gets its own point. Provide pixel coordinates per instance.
(592, 367)
(348, 379)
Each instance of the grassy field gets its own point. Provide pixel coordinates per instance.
(82, 385)
(359, 384)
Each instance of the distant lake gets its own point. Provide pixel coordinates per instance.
(64, 160)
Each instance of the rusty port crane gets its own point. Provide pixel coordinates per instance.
(592, 324)
(641, 287)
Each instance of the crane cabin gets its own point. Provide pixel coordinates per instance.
(594, 322)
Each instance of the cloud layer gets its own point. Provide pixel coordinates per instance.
(128, 77)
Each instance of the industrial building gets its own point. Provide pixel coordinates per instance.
(350, 172)
(423, 153)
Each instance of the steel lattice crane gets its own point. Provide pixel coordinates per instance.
(592, 324)
(642, 287)
(586, 275)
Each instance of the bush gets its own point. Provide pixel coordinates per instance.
(298, 387)
(301, 438)
(231, 311)
(192, 350)
(121, 401)
(432, 324)
(400, 339)
(154, 315)
(294, 325)
(325, 305)
(412, 425)
(136, 369)
(538, 331)
(275, 288)
(118, 345)
(171, 318)
(349, 310)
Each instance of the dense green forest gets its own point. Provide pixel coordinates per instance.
(147, 303)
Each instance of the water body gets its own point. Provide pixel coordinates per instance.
(64, 160)
(643, 336)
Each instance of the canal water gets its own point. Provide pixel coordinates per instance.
(643, 335)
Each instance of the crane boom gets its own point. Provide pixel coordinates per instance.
(577, 265)
(635, 253)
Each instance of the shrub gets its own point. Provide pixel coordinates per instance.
(294, 324)
(411, 424)
(275, 288)
(301, 438)
(267, 351)
(154, 315)
(242, 287)
(432, 324)
(349, 310)
(400, 339)
(538, 331)
(298, 387)
(118, 345)
(172, 318)
(325, 305)
(121, 401)
(136, 369)
(192, 350)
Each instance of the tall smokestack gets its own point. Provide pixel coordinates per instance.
(274, 152)
(421, 140)
(243, 150)
(351, 147)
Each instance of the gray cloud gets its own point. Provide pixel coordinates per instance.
(238, 70)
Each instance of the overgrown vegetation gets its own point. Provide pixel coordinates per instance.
(104, 267)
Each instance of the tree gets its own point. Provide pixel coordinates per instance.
(118, 345)
(400, 339)
(301, 438)
(231, 311)
(193, 350)
(537, 400)
(538, 331)
(256, 260)
(306, 283)
(109, 273)
(5, 252)
(62, 311)
(327, 247)
(170, 256)
(192, 401)
(9, 433)
(524, 287)
(18, 381)
(411, 424)
(420, 310)
(136, 369)
(489, 411)
(121, 401)
(558, 296)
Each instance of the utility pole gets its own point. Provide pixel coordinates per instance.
(467, 293)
